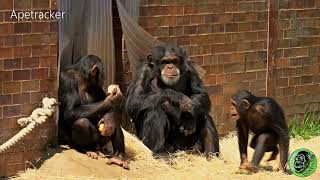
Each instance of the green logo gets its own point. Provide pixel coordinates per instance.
(302, 162)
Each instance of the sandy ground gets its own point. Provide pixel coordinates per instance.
(64, 163)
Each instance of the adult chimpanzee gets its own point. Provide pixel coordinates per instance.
(84, 105)
(265, 118)
(169, 105)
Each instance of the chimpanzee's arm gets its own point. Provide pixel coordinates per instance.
(200, 100)
(134, 98)
(75, 111)
(172, 111)
(242, 132)
(140, 95)
(71, 102)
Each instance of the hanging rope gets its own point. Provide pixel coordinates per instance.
(38, 116)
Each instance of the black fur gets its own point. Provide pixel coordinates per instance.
(155, 107)
(83, 104)
(266, 119)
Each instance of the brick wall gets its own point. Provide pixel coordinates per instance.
(28, 71)
(297, 75)
(229, 40)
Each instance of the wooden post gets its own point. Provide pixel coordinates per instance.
(271, 46)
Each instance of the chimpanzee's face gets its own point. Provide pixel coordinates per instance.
(240, 104)
(170, 69)
(169, 61)
(234, 110)
(91, 70)
(239, 109)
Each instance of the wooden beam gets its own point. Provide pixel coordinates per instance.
(271, 46)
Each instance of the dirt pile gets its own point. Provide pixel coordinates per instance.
(69, 164)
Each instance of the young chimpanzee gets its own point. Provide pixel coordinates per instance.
(169, 104)
(84, 105)
(265, 118)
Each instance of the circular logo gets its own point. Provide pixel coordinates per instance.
(302, 162)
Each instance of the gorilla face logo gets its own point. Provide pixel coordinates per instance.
(300, 162)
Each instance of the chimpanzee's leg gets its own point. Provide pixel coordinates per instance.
(154, 130)
(118, 158)
(284, 140)
(209, 137)
(271, 145)
(117, 139)
(275, 152)
(85, 136)
(264, 142)
(253, 142)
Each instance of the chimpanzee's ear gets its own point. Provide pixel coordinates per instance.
(94, 70)
(245, 104)
(151, 63)
(184, 53)
(233, 102)
(187, 63)
(149, 57)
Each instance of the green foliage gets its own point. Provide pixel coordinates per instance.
(305, 126)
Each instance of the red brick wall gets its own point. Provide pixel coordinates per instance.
(297, 63)
(28, 71)
(229, 40)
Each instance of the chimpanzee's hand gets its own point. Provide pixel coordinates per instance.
(166, 104)
(171, 110)
(107, 124)
(114, 94)
(188, 124)
(185, 104)
(94, 154)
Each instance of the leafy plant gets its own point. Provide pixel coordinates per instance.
(305, 126)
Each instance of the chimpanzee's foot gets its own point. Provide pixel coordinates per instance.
(118, 160)
(95, 154)
(248, 167)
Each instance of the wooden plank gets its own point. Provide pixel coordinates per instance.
(271, 46)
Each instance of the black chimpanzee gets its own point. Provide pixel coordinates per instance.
(84, 105)
(265, 118)
(169, 104)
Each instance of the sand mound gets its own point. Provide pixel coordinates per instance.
(69, 164)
